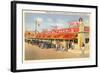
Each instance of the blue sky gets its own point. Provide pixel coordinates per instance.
(48, 21)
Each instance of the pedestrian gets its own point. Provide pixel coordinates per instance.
(66, 46)
(72, 45)
(57, 45)
(83, 48)
(62, 48)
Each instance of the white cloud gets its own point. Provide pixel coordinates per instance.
(28, 28)
(60, 21)
(59, 25)
(49, 20)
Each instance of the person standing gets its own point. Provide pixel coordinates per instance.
(57, 45)
(72, 45)
(83, 48)
(67, 46)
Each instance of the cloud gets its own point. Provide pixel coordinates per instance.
(49, 20)
(28, 28)
(59, 25)
(60, 21)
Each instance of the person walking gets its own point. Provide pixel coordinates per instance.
(57, 45)
(83, 48)
(72, 45)
(67, 46)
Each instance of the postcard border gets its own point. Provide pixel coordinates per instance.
(13, 35)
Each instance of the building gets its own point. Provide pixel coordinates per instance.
(78, 34)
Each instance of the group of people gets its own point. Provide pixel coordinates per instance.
(41, 44)
(68, 45)
(58, 46)
(46, 45)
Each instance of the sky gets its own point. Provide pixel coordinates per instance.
(49, 21)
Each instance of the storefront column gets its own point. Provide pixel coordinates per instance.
(81, 33)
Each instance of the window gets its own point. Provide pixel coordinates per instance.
(87, 40)
(75, 40)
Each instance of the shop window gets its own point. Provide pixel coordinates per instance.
(87, 40)
(75, 40)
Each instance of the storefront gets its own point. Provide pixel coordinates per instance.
(77, 35)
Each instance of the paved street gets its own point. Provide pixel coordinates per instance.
(33, 52)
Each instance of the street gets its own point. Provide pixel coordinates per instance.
(33, 52)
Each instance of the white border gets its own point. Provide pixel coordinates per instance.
(54, 63)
